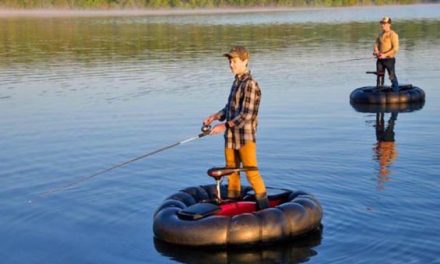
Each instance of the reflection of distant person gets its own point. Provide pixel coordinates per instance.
(385, 149)
(385, 49)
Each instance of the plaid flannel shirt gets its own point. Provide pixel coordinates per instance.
(242, 110)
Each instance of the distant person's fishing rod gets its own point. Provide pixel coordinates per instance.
(206, 130)
(347, 60)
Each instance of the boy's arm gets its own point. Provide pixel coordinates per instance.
(221, 115)
(376, 47)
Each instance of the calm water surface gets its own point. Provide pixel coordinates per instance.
(79, 95)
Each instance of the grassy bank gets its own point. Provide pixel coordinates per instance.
(123, 4)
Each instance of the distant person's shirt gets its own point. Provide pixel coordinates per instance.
(388, 42)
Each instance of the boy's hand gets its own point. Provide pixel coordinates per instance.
(209, 119)
(217, 129)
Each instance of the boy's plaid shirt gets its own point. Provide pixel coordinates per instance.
(242, 109)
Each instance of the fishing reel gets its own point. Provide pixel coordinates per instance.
(206, 129)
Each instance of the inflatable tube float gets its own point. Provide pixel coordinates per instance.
(384, 95)
(194, 217)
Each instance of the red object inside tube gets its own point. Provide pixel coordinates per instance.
(241, 207)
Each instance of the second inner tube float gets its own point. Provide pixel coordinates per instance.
(382, 95)
(194, 216)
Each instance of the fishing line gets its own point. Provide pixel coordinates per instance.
(205, 131)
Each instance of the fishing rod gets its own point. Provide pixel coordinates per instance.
(347, 60)
(206, 130)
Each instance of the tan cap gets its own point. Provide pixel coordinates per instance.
(385, 20)
(238, 51)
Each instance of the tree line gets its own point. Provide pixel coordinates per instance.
(32, 41)
(106, 4)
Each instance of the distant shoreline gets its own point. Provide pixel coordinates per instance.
(4, 12)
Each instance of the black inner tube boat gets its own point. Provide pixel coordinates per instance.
(198, 216)
(382, 95)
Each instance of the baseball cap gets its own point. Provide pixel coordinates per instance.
(385, 20)
(238, 51)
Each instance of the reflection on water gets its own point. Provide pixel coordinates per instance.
(385, 148)
(296, 251)
(104, 41)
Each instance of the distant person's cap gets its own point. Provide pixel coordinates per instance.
(385, 20)
(238, 51)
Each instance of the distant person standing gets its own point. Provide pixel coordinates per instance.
(385, 49)
(240, 126)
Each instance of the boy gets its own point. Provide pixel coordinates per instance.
(240, 126)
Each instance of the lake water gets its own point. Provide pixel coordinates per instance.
(80, 94)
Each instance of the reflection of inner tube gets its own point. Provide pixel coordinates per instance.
(185, 218)
(388, 108)
(295, 251)
(384, 95)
